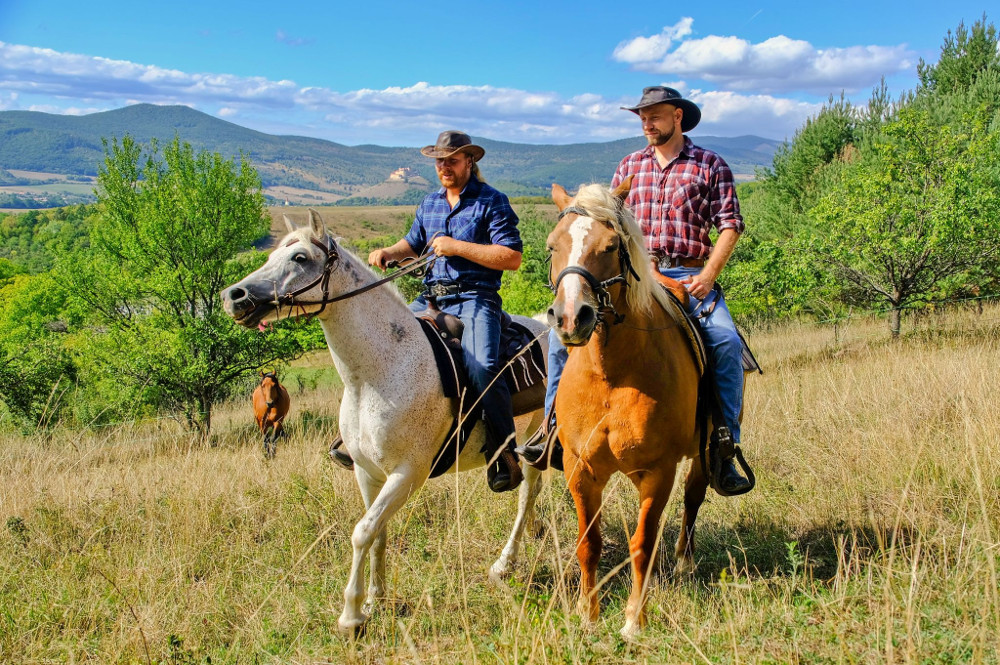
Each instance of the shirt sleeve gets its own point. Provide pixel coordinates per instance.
(725, 207)
(503, 223)
(417, 237)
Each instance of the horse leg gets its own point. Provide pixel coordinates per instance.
(587, 492)
(695, 485)
(369, 531)
(654, 492)
(527, 494)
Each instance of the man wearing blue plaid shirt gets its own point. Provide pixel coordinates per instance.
(472, 229)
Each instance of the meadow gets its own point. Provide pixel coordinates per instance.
(872, 536)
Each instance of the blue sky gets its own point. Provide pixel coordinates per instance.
(397, 73)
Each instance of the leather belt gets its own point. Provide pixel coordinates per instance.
(665, 262)
(440, 290)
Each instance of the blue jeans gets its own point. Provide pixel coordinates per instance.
(722, 342)
(480, 311)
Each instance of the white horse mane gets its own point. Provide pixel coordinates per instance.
(604, 206)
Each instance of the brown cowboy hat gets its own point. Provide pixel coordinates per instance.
(661, 94)
(449, 143)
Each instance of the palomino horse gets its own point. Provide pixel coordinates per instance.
(270, 406)
(629, 391)
(394, 415)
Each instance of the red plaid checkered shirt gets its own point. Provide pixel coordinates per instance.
(677, 206)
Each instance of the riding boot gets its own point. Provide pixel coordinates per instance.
(543, 449)
(731, 481)
(503, 473)
(728, 481)
(339, 456)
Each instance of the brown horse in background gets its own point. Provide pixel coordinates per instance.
(628, 396)
(270, 406)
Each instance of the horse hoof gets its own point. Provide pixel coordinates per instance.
(630, 631)
(500, 573)
(684, 568)
(352, 629)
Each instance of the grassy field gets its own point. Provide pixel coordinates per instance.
(872, 536)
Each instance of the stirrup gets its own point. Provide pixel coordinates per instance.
(340, 457)
(542, 449)
(722, 449)
(506, 460)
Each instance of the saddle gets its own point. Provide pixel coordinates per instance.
(522, 370)
(718, 446)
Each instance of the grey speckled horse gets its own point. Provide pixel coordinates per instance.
(393, 415)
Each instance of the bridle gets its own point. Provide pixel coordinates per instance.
(330, 263)
(599, 288)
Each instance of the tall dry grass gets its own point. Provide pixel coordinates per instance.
(872, 535)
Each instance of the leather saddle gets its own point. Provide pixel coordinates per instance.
(524, 372)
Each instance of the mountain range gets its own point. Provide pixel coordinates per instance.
(299, 169)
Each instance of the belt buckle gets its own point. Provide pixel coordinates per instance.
(441, 290)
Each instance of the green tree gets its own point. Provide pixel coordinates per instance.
(966, 55)
(168, 241)
(36, 367)
(917, 209)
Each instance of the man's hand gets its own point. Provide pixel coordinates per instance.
(446, 246)
(699, 285)
(379, 258)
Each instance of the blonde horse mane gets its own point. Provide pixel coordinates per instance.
(604, 206)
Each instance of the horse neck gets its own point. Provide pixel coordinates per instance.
(616, 349)
(373, 334)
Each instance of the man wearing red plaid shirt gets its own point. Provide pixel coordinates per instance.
(679, 193)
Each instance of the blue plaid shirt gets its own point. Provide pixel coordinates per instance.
(483, 216)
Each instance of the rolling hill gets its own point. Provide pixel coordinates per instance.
(302, 169)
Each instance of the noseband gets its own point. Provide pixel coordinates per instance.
(599, 288)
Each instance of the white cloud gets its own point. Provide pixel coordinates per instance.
(43, 79)
(645, 49)
(778, 64)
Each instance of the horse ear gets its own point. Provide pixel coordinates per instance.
(560, 197)
(316, 224)
(261, 372)
(622, 190)
(289, 224)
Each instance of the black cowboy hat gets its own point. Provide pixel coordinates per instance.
(449, 143)
(660, 94)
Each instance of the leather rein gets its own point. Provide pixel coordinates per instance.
(599, 288)
(331, 262)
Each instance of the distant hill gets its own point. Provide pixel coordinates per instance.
(305, 170)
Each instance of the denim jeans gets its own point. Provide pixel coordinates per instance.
(722, 342)
(480, 311)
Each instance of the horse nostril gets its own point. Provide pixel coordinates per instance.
(586, 317)
(552, 319)
(236, 294)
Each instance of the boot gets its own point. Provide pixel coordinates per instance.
(731, 481)
(727, 479)
(504, 473)
(339, 456)
(543, 449)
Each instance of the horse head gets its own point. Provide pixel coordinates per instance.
(270, 387)
(594, 250)
(297, 277)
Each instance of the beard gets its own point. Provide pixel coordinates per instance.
(659, 138)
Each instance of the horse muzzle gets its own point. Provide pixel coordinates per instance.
(240, 304)
(575, 327)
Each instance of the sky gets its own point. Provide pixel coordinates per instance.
(397, 73)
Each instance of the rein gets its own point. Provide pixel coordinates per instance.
(332, 261)
(599, 288)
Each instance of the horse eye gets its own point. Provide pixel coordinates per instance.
(611, 249)
(300, 258)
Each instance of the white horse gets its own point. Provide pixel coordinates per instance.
(394, 415)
